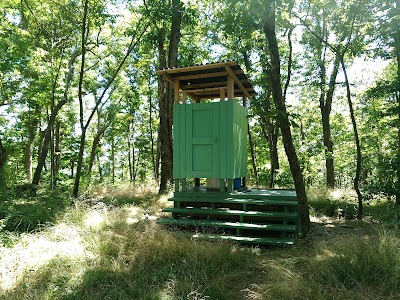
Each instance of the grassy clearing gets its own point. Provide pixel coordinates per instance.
(108, 246)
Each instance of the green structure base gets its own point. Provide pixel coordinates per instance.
(255, 217)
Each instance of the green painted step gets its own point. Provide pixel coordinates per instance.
(233, 200)
(253, 194)
(274, 214)
(287, 197)
(272, 227)
(250, 240)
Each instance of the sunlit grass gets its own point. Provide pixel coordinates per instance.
(108, 246)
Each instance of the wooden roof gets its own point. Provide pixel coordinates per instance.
(206, 81)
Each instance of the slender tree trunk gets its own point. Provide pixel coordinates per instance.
(3, 158)
(32, 129)
(397, 52)
(269, 29)
(95, 146)
(84, 34)
(325, 104)
(356, 182)
(130, 166)
(153, 159)
(57, 152)
(253, 156)
(112, 159)
(47, 133)
(46, 143)
(100, 169)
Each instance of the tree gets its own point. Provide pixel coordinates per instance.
(167, 96)
(3, 157)
(277, 96)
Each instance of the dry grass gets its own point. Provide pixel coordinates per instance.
(108, 246)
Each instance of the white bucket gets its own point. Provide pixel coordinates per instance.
(213, 183)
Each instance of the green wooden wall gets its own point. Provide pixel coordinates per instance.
(210, 140)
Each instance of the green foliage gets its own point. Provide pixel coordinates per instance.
(23, 209)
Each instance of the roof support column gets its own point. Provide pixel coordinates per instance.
(231, 88)
(176, 91)
(222, 94)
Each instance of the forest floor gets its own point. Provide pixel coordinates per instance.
(107, 245)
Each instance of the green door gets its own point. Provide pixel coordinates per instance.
(202, 151)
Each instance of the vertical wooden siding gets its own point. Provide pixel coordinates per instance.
(210, 140)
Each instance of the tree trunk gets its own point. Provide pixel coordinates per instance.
(153, 158)
(3, 157)
(112, 159)
(57, 152)
(80, 96)
(32, 129)
(253, 156)
(95, 145)
(397, 50)
(356, 181)
(79, 165)
(167, 102)
(325, 104)
(47, 133)
(46, 142)
(269, 29)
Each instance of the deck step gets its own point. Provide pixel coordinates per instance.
(236, 201)
(210, 211)
(284, 196)
(249, 240)
(208, 223)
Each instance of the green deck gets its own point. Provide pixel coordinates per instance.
(256, 216)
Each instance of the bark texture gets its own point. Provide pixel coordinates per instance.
(167, 99)
(276, 89)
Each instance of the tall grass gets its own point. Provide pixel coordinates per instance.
(108, 246)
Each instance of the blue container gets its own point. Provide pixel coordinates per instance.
(237, 183)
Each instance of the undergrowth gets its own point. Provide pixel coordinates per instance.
(106, 245)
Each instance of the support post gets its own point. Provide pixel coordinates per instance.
(231, 88)
(176, 91)
(222, 94)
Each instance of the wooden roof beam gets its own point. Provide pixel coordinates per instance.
(237, 81)
(197, 68)
(166, 76)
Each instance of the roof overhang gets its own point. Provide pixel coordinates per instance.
(210, 80)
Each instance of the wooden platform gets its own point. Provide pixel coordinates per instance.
(255, 216)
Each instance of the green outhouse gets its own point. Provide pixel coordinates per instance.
(210, 141)
(209, 136)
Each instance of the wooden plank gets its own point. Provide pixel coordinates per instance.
(222, 140)
(282, 202)
(182, 141)
(215, 141)
(225, 224)
(230, 152)
(203, 90)
(196, 68)
(210, 211)
(249, 240)
(177, 141)
(199, 76)
(166, 76)
(237, 81)
(208, 84)
(189, 142)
